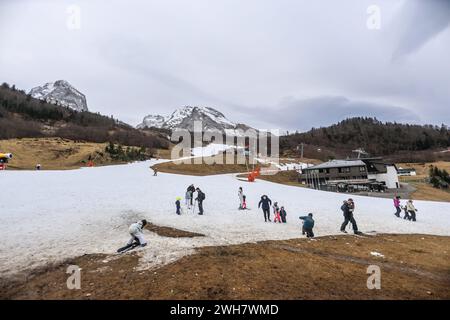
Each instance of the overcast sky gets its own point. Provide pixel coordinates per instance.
(287, 64)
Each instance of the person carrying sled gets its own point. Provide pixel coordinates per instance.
(136, 234)
(178, 205)
(411, 209)
(265, 204)
(241, 198)
(191, 189)
(276, 213)
(347, 208)
(200, 198)
(283, 214)
(397, 206)
(308, 225)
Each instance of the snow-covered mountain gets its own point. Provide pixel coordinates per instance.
(184, 117)
(62, 93)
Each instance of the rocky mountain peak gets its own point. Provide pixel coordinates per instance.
(62, 93)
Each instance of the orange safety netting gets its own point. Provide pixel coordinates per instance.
(252, 175)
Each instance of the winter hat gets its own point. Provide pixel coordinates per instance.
(144, 222)
(310, 214)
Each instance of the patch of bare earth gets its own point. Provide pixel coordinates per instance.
(332, 267)
(171, 232)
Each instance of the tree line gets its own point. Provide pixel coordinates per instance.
(374, 136)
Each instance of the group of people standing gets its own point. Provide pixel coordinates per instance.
(279, 212)
(409, 209)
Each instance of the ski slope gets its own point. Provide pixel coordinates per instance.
(48, 216)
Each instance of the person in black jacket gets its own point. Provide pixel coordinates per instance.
(283, 215)
(347, 208)
(200, 198)
(265, 203)
(191, 190)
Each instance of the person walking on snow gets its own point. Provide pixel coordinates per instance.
(411, 210)
(397, 206)
(136, 234)
(265, 204)
(308, 225)
(178, 205)
(241, 198)
(276, 213)
(283, 214)
(347, 208)
(200, 198)
(191, 189)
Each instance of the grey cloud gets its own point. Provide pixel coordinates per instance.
(154, 56)
(303, 114)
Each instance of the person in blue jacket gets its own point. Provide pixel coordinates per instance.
(265, 203)
(308, 225)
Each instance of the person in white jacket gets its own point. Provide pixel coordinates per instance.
(411, 210)
(136, 234)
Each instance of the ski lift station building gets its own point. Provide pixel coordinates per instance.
(369, 172)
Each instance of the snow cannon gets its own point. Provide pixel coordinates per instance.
(6, 156)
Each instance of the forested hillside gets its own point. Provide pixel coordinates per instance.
(375, 137)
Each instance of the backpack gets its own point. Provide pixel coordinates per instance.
(202, 196)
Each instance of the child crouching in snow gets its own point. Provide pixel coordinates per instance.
(308, 225)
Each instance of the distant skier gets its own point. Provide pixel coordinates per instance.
(178, 205)
(308, 225)
(347, 208)
(283, 214)
(137, 237)
(276, 213)
(241, 198)
(265, 204)
(200, 198)
(411, 210)
(191, 189)
(38, 167)
(397, 206)
(155, 172)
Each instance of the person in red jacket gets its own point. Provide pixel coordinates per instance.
(276, 213)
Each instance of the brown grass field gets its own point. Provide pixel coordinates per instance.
(331, 267)
(51, 153)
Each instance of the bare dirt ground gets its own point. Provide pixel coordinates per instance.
(171, 232)
(332, 267)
